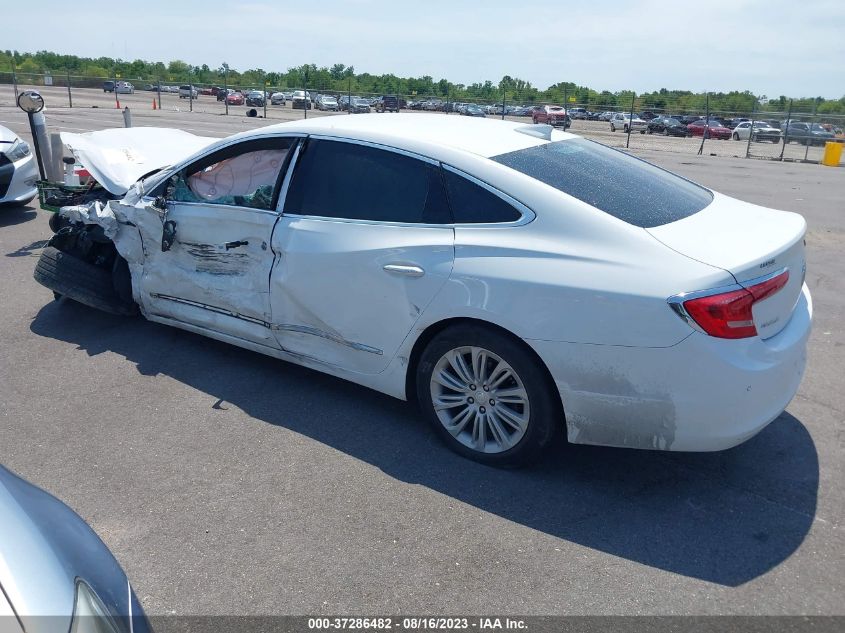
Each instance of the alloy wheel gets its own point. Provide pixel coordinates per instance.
(480, 399)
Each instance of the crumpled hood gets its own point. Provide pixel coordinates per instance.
(119, 157)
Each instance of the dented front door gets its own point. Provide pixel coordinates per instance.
(215, 273)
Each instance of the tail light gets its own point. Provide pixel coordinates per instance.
(728, 314)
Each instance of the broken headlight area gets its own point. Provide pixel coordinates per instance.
(81, 262)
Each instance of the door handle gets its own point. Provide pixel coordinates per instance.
(230, 245)
(402, 269)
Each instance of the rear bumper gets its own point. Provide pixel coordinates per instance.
(703, 394)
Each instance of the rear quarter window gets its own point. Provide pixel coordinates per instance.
(625, 187)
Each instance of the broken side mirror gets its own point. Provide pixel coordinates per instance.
(168, 235)
(160, 203)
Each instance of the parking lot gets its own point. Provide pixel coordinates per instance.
(206, 109)
(226, 482)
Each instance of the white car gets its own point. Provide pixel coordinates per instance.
(277, 98)
(18, 169)
(188, 92)
(762, 132)
(124, 88)
(622, 121)
(487, 269)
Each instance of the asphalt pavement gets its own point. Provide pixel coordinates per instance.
(226, 482)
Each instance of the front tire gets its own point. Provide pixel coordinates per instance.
(487, 396)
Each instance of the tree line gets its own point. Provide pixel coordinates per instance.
(340, 78)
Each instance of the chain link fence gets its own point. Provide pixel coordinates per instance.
(770, 130)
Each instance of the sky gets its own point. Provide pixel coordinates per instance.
(770, 47)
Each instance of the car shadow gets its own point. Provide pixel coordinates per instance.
(724, 517)
(9, 216)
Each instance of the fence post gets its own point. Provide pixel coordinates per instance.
(191, 94)
(226, 88)
(750, 131)
(307, 100)
(503, 103)
(812, 120)
(630, 120)
(15, 78)
(706, 131)
(158, 89)
(786, 129)
(265, 97)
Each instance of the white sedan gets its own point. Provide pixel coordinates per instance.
(762, 132)
(487, 269)
(18, 171)
(622, 121)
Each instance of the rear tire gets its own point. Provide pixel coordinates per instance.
(736, 136)
(511, 421)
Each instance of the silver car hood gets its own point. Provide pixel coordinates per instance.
(44, 547)
(119, 157)
(7, 136)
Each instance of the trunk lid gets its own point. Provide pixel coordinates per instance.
(750, 242)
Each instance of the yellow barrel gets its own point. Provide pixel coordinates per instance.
(832, 153)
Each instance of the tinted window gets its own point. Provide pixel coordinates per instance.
(472, 204)
(625, 187)
(351, 181)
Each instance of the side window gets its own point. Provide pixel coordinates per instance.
(350, 181)
(473, 204)
(245, 175)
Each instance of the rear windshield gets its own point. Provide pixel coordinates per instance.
(614, 182)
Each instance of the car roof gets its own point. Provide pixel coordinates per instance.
(483, 137)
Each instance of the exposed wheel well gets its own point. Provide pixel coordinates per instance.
(436, 328)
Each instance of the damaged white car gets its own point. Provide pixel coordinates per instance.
(513, 279)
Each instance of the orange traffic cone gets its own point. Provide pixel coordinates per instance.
(117, 103)
(155, 107)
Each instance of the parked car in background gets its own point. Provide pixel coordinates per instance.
(623, 121)
(359, 106)
(579, 114)
(277, 98)
(255, 99)
(235, 98)
(552, 115)
(709, 129)
(55, 572)
(222, 94)
(300, 100)
(328, 103)
(471, 109)
(806, 133)
(387, 103)
(108, 86)
(648, 115)
(124, 88)
(188, 92)
(18, 170)
(516, 286)
(666, 125)
(151, 87)
(761, 131)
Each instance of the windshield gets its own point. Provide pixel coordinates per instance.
(614, 182)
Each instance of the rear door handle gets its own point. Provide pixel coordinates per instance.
(402, 269)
